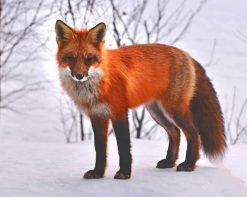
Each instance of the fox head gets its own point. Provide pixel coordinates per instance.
(79, 52)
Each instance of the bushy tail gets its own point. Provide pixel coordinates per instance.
(207, 116)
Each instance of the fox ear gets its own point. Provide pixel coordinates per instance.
(63, 32)
(97, 34)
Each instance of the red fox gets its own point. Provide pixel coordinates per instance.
(174, 87)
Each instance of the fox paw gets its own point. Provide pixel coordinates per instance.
(188, 167)
(121, 175)
(93, 174)
(164, 163)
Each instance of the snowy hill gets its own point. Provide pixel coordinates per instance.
(48, 169)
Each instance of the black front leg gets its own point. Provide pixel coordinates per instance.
(100, 129)
(121, 128)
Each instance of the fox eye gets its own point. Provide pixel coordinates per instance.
(91, 58)
(69, 59)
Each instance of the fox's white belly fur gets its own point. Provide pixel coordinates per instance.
(86, 94)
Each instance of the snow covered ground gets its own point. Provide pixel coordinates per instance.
(55, 169)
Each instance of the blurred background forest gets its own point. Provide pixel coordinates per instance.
(32, 104)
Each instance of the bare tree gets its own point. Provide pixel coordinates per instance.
(142, 124)
(163, 26)
(138, 121)
(69, 119)
(81, 12)
(20, 41)
(241, 129)
(235, 129)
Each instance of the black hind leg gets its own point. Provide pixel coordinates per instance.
(192, 152)
(172, 152)
(173, 133)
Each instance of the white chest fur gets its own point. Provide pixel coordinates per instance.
(86, 94)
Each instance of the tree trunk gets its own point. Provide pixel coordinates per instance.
(138, 133)
(81, 127)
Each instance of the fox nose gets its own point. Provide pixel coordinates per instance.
(79, 76)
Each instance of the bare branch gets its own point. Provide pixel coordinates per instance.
(229, 122)
(211, 57)
(240, 115)
(20, 21)
(188, 23)
(239, 130)
(241, 36)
